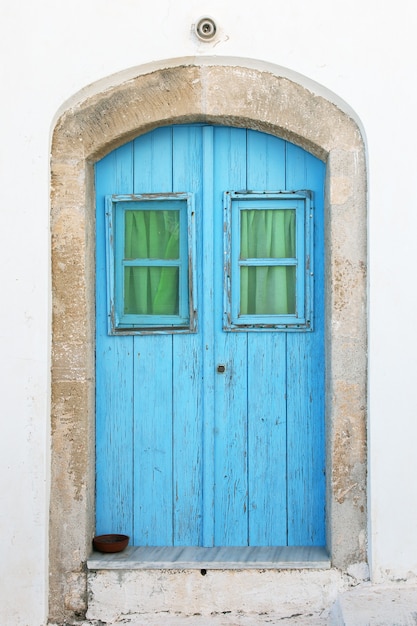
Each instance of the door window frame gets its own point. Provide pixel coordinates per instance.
(234, 203)
(120, 322)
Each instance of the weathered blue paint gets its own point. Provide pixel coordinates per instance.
(212, 437)
(114, 371)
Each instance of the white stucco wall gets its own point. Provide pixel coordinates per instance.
(362, 51)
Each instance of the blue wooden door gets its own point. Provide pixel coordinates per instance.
(210, 430)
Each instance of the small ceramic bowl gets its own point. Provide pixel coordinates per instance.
(110, 543)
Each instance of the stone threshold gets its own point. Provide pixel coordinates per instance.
(223, 558)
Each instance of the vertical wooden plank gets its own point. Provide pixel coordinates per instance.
(267, 441)
(206, 325)
(187, 367)
(114, 366)
(266, 162)
(305, 404)
(153, 161)
(153, 442)
(267, 466)
(153, 498)
(230, 409)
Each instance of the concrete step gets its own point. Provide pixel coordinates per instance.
(367, 604)
(227, 595)
(376, 605)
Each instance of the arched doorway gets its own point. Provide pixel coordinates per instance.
(209, 93)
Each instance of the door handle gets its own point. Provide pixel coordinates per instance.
(221, 369)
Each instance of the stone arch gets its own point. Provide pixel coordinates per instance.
(261, 99)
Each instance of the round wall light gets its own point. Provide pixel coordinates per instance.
(205, 29)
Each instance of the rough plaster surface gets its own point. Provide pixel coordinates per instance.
(228, 95)
(357, 604)
(112, 595)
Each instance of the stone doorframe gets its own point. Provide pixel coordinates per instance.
(216, 92)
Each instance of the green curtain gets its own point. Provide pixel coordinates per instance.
(151, 235)
(267, 289)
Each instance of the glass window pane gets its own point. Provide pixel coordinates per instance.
(266, 234)
(267, 290)
(151, 290)
(152, 234)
